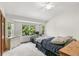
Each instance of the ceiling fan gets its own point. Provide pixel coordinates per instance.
(46, 5)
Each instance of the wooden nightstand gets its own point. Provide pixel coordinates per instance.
(71, 49)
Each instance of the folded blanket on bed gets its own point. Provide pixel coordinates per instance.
(51, 47)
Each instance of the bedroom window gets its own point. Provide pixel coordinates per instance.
(10, 29)
(28, 30)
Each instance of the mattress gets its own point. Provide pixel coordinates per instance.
(26, 49)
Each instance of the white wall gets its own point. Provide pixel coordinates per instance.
(66, 23)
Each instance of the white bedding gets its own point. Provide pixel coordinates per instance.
(39, 39)
(26, 49)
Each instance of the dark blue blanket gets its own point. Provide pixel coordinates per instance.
(54, 48)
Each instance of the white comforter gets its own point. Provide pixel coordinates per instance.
(39, 39)
(26, 49)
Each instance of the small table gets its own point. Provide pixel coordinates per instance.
(72, 49)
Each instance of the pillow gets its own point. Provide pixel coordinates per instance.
(60, 40)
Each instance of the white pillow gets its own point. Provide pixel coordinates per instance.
(60, 40)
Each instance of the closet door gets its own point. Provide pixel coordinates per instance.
(2, 33)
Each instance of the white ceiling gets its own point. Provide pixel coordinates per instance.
(34, 11)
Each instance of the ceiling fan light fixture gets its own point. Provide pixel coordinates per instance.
(46, 5)
(49, 6)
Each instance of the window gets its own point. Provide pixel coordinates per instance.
(32, 29)
(43, 29)
(10, 29)
(28, 30)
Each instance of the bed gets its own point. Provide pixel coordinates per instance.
(26, 49)
(42, 41)
(51, 48)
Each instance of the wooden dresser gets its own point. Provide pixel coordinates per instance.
(71, 49)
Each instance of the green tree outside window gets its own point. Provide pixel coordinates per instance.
(28, 29)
